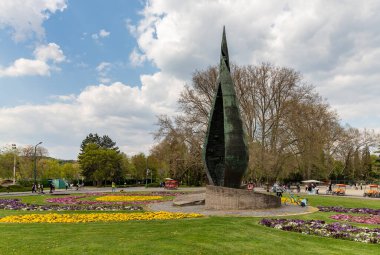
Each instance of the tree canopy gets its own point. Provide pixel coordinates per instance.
(100, 159)
(102, 141)
(291, 130)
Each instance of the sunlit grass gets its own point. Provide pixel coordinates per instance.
(208, 235)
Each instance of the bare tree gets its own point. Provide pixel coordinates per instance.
(289, 127)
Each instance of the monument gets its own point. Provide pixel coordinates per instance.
(225, 151)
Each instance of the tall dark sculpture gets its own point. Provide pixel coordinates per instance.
(225, 151)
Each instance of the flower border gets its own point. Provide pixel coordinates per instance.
(349, 210)
(372, 219)
(95, 217)
(16, 204)
(320, 228)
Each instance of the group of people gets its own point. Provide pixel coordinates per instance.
(281, 189)
(39, 188)
(278, 189)
(311, 188)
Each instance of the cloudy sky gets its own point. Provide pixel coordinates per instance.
(71, 67)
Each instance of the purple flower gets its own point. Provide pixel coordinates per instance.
(372, 219)
(349, 210)
(76, 200)
(16, 204)
(320, 228)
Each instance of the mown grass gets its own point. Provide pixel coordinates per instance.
(209, 235)
(213, 235)
(343, 201)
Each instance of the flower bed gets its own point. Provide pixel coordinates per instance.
(95, 217)
(16, 204)
(285, 200)
(128, 198)
(373, 219)
(320, 228)
(78, 200)
(349, 210)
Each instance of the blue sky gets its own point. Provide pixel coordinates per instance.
(71, 67)
(76, 29)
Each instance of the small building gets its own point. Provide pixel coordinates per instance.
(59, 183)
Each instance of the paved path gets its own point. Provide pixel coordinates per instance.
(95, 189)
(284, 210)
(351, 192)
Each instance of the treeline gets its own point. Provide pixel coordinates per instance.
(47, 167)
(293, 133)
(101, 161)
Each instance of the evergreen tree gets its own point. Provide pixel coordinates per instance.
(100, 159)
(366, 163)
(105, 142)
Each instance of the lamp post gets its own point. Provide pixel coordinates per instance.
(35, 162)
(14, 163)
(147, 172)
(146, 178)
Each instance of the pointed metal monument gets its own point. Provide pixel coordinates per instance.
(225, 151)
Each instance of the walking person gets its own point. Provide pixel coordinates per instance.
(51, 187)
(34, 188)
(330, 188)
(279, 191)
(113, 186)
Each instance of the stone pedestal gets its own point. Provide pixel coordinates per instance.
(223, 198)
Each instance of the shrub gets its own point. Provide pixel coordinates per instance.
(153, 185)
(25, 183)
(14, 188)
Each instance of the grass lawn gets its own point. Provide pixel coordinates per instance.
(343, 201)
(209, 235)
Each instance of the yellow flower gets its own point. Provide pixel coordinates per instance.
(288, 201)
(94, 217)
(128, 198)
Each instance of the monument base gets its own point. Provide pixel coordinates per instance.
(223, 198)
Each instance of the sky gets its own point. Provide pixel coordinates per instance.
(73, 67)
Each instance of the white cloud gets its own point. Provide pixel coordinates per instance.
(334, 44)
(40, 65)
(64, 98)
(125, 113)
(22, 67)
(25, 17)
(103, 33)
(103, 66)
(103, 69)
(104, 80)
(48, 52)
(137, 58)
